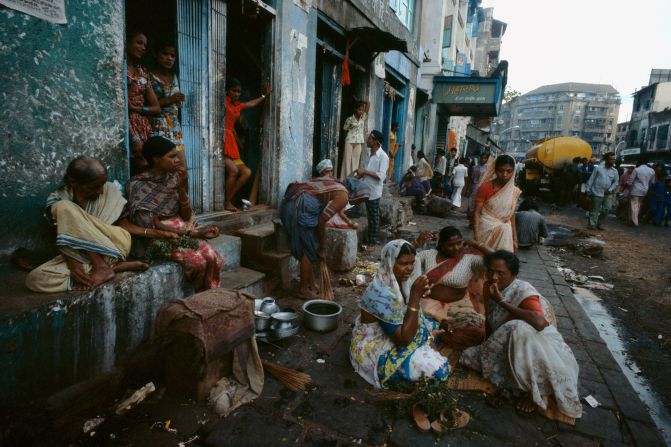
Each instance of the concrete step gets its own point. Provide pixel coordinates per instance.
(247, 280)
(230, 223)
(229, 247)
(256, 239)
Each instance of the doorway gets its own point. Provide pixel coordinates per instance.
(394, 111)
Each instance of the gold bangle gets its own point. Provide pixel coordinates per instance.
(413, 309)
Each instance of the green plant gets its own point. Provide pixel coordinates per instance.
(430, 394)
(160, 249)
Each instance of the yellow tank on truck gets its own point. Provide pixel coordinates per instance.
(553, 153)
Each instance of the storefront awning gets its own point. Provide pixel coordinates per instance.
(377, 41)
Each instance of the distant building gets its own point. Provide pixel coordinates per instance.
(588, 111)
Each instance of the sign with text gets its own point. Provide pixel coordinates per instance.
(49, 10)
(466, 96)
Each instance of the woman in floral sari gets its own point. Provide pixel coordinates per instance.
(392, 339)
(159, 207)
(494, 217)
(456, 270)
(523, 353)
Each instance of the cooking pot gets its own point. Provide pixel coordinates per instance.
(321, 315)
(261, 321)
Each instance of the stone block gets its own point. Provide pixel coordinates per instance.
(389, 207)
(246, 280)
(645, 434)
(439, 206)
(341, 249)
(229, 247)
(627, 399)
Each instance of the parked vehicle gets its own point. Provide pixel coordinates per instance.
(543, 162)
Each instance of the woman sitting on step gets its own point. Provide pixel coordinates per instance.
(159, 208)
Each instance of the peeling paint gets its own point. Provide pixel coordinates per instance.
(63, 96)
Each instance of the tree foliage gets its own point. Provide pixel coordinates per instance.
(511, 95)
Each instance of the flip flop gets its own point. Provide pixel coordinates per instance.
(420, 418)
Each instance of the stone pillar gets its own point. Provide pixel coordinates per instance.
(341, 249)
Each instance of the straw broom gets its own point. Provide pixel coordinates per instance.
(292, 379)
(325, 289)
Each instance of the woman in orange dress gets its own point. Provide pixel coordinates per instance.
(237, 173)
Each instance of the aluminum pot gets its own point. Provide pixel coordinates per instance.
(321, 315)
(261, 321)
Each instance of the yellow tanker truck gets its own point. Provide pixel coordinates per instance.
(548, 156)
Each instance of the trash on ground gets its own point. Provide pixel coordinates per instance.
(412, 223)
(164, 426)
(92, 424)
(597, 278)
(592, 401)
(586, 294)
(623, 309)
(135, 398)
(360, 280)
(188, 441)
(321, 361)
(659, 337)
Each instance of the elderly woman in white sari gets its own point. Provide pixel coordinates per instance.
(84, 213)
(494, 216)
(523, 352)
(392, 341)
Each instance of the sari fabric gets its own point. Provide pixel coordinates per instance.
(518, 357)
(496, 229)
(81, 230)
(372, 352)
(156, 198)
(465, 316)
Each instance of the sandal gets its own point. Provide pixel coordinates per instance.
(420, 418)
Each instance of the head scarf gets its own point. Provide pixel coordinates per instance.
(324, 165)
(383, 298)
(358, 189)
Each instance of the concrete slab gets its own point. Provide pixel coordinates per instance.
(243, 279)
(229, 247)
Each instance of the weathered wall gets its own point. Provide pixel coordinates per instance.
(62, 90)
(296, 56)
(83, 335)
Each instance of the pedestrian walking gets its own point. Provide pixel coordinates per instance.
(374, 174)
(640, 182)
(601, 186)
(457, 181)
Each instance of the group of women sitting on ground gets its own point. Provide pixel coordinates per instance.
(462, 303)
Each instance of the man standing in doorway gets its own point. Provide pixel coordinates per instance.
(374, 174)
(602, 185)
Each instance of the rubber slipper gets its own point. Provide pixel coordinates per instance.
(420, 418)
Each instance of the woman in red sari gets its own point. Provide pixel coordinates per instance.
(159, 208)
(142, 101)
(455, 269)
(237, 173)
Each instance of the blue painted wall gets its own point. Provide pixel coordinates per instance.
(62, 90)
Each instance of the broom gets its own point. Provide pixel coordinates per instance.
(292, 379)
(325, 289)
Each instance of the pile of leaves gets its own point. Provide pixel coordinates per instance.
(160, 249)
(430, 394)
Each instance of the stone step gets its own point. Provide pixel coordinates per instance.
(230, 223)
(247, 280)
(229, 247)
(256, 240)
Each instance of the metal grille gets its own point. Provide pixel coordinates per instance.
(217, 99)
(193, 78)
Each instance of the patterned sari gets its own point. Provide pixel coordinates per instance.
(151, 198)
(496, 230)
(372, 352)
(518, 357)
(465, 316)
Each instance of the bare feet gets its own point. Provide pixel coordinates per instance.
(209, 232)
(101, 275)
(130, 266)
(231, 208)
(526, 405)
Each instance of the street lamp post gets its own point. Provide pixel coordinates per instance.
(617, 147)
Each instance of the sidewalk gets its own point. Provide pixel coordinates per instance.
(339, 411)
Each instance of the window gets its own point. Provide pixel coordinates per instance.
(662, 136)
(447, 32)
(651, 137)
(405, 11)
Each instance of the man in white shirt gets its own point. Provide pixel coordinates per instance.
(640, 181)
(374, 174)
(458, 180)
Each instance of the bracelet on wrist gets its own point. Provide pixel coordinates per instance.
(145, 232)
(413, 309)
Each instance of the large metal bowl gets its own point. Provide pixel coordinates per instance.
(321, 315)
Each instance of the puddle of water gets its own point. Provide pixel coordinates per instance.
(607, 327)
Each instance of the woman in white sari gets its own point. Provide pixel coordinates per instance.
(523, 351)
(494, 217)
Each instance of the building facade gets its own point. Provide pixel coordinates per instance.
(588, 111)
(458, 38)
(65, 91)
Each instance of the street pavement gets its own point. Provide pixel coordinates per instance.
(338, 408)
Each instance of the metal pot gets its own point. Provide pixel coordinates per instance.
(269, 306)
(321, 315)
(261, 321)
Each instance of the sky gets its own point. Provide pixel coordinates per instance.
(614, 42)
